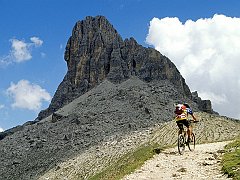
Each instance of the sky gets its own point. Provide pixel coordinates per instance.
(201, 37)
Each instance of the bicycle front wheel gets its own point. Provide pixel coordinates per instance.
(191, 144)
(181, 144)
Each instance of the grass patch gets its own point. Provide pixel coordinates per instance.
(128, 163)
(231, 160)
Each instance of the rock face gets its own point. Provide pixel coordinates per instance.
(99, 127)
(95, 51)
(203, 105)
(114, 91)
(108, 111)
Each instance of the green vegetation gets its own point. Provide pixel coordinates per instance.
(128, 163)
(231, 160)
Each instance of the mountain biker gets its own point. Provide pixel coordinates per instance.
(182, 111)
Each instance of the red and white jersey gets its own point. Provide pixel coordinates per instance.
(184, 112)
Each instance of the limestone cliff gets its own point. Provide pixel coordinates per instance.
(96, 51)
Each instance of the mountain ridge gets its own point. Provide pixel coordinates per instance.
(113, 90)
(95, 51)
(107, 121)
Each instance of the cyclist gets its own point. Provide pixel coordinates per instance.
(182, 111)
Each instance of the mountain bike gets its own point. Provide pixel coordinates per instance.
(184, 141)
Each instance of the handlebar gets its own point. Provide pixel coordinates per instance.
(193, 121)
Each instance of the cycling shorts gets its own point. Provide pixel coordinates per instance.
(184, 122)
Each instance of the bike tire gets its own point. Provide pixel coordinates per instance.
(191, 145)
(181, 144)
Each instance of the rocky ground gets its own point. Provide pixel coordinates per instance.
(92, 132)
(210, 128)
(103, 115)
(203, 163)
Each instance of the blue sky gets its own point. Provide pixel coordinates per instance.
(33, 35)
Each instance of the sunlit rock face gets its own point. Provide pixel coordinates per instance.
(96, 51)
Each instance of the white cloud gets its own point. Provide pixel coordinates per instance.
(206, 53)
(36, 41)
(27, 95)
(5, 61)
(216, 98)
(20, 51)
(1, 129)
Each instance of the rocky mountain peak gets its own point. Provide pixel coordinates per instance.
(95, 51)
(116, 97)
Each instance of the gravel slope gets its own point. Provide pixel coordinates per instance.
(210, 128)
(203, 163)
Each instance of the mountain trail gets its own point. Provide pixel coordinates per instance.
(202, 163)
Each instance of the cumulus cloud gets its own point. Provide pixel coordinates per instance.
(20, 51)
(5, 61)
(27, 95)
(206, 52)
(36, 41)
(1, 129)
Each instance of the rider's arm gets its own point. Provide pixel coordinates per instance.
(193, 117)
(191, 113)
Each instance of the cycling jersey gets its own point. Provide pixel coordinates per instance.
(184, 114)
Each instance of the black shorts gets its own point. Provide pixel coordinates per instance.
(184, 122)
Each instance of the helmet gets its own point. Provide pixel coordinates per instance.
(178, 106)
(179, 109)
(186, 105)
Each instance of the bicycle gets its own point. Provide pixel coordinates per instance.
(183, 141)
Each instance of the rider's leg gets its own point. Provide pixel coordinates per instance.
(180, 126)
(189, 129)
(189, 132)
(179, 131)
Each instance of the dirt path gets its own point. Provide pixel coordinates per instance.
(203, 163)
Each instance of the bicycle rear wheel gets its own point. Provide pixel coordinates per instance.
(191, 144)
(181, 144)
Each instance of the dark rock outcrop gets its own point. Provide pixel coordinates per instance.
(203, 105)
(106, 111)
(96, 51)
